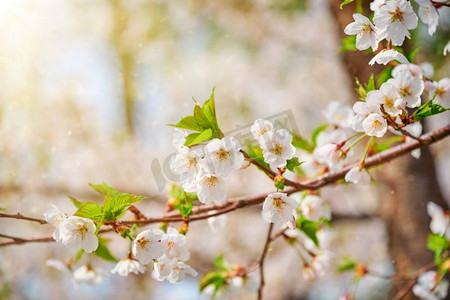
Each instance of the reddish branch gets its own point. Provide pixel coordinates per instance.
(201, 212)
(261, 261)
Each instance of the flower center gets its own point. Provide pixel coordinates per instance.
(388, 101)
(441, 92)
(396, 15)
(211, 181)
(262, 131)
(365, 29)
(143, 242)
(222, 154)
(405, 90)
(277, 203)
(191, 162)
(170, 245)
(376, 124)
(277, 149)
(81, 229)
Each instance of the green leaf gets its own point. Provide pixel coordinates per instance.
(189, 122)
(185, 200)
(428, 109)
(348, 44)
(347, 264)
(75, 202)
(370, 86)
(256, 154)
(386, 144)
(384, 75)
(220, 263)
(360, 90)
(309, 228)
(300, 142)
(195, 138)
(217, 279)
(103, 189)
(292, 163)
(345, 2)
(118, 204)
(209, 109)
(76, 258)
(201, 118)
(316, 133)
(91, 211)
(412, 54)
(279, 182)
(103, 251)
(438, 244)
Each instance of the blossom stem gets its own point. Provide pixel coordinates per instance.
(366, 152)
(354, 143)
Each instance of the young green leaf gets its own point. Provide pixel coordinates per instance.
(103, 189)
(309, 228)
(428, 109)
(103, 251)
(345, 2)
(195, 138)
(348, 44)
(220, 263)
(189, 122)
(256, 154)
(75, 202)
(316, 133)
(412, 54)
(370, 86)
(91, 211)
(118, 204)
(217, 279)
(201, 118)
(438, 244)
(384, 75)
(209, 109)
(292, 163)
(347, 264)
(301, 143)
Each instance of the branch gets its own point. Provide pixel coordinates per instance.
(200, 213)
(261, 261)
(405, 290)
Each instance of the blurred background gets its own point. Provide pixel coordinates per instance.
(86, 91)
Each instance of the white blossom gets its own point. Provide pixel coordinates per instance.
(376, 4)
(54, 216)
(439, 220)
(386, 96)
(427, 69)
(366, 33)
(446, 49)
(442, 90)
(415, 70)
(174, 245)
(77, 232)
(385, 56)
(60, 266)
(358, 175)
(375, 125)
(395, 18)
(410, 88)
(147, 245)
(179, 138)
(416, 130)
(259, 127)
(362, 111)
(222, 156)
(277, 147)
(172, 270)
(187, 165)
(278, 208)
(338, 114)
(313, 208)
(127, 266)
(427, 287)
(328, 154)
(321, 262)
(211, 189)
(89, 275)
(429, 15)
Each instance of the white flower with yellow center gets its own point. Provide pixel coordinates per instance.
(328, 154)
(89, 275)
(386, 96)
(174, 245)
(172, 269)
(440, 221)
(366, 33)
(338, 114)
(429, 15)
(313, 208)
(358, 175)
(395, 18)
(277, 147)
(429, 288)
(211, 189)
(147, 245)
(187, 166)
(54, 216)
(127, 266)
(259, 127)
(222, 156)
(375, 125)
(442, 90)
(278, 208)
(362, 111)
(409, 88)
(77, 232)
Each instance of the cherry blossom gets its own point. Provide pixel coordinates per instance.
(127, 266)
(222, 156)
(427, 287)
(174, 245)
(386, 56)
(313, 208)
(329, 155)
(211, 189)
(363, 110)
(179, 138)
(395, 18)
(358, 175)
(172, 270)
(410, 88)
(54, 216)
(89, 275)
(77, 232)
(376, 4)
(147, 245)
(187, 165)
(386, 96)
(439, 220)
(415, 70)
(366, 33)
(429, 15)
(338, 115)
(375, 125)
(442, 90)
(277, 147)
(259, 127)
(278, 208)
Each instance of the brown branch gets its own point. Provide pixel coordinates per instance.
(396, 126)
(261, 261)
(19, 216)
(200, 213)
(405, 290)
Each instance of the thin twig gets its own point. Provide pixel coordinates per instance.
(200, 213)
(261, 261)
(408, 286)
(396, 126)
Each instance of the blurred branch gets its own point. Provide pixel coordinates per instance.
(261, 261)
(201, 212)
(407, 288)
